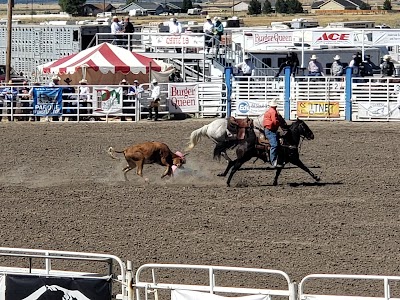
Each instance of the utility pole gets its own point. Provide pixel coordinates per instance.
(8, 49)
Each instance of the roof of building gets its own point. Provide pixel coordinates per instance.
(347, 4)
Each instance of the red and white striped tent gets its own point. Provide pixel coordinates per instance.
(103, 64)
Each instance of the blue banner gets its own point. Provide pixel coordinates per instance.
(47, 101)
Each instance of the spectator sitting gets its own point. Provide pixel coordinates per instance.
(315, 67)
(292, 61)
(55, 80)
(246, 67)
(175, 77)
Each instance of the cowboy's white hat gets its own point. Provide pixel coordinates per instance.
(123, 80)
(56, 78)
(83, 81)
(387, 57)
(154, 81)
(208, 17)
(136, 81)
(246, 57)
(273, 103)
(337, 57)
(314, 56)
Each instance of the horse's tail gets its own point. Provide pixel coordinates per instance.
(111, 151)
(196, 135)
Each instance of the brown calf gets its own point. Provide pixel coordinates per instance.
(149, 153)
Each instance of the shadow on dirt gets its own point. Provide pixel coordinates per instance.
(296, 184)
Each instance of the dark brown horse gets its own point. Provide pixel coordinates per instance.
(288, 152)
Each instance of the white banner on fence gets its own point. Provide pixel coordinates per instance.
(333, 37)
(181, 40)
(108, 101)
(194, 295)
(391, 38)
(2, 287)
(182, 97)
(248, 107)
(378, 110)
(277, 38)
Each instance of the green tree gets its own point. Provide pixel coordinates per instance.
(387, 5)
(254, 7)
(73, 7)
(267, 7)
(294, 6)
(187, 4)
(281, 6)
(365, 6)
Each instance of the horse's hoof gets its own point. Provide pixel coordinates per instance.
(221, 175)
(275, 183)
(317, 179)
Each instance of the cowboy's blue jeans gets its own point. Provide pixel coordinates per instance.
(273, 141)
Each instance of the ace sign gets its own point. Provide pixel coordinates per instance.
(182, 97)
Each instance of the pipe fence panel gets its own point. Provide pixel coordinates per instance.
(376, 99)
(153, 279)
(317, 98)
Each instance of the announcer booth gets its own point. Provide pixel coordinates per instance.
(28, 275)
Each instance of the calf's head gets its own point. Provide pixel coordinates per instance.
(179, 159)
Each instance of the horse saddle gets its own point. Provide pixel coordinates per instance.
(237, 127)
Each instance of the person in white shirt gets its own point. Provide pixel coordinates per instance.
(155, 100)
(55, 80)
(84, 94)
(247, 66)
(208, 29)
(115, 29)
(175, 27)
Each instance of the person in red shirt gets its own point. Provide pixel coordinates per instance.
(272, 121)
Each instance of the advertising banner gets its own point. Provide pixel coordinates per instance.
(251, 108)
(179, 40)
(277, 38)
(379, 110)
(182, 97)
(386, 38)
(337, 38)
(194, 295)
(109, 101)
(22, 287)
(47, 101)
(318, 109)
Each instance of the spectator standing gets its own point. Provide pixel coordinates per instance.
(387, 67)
(55, 81)
(356, 64)
(175, 27)
(155, 100)
(84, 97)
(68, 92)
(337, 67)
(218, 32)
(128, 28)
(246, 67)
(315, 67)
(9, 94)
(115, 29)
(135, 90)
(175, 77)
(125, 97)
(208, 29)
(25, 100)
(369, 66)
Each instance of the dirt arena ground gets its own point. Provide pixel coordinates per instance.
(60, 190)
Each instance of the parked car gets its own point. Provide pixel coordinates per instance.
(15, 77)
